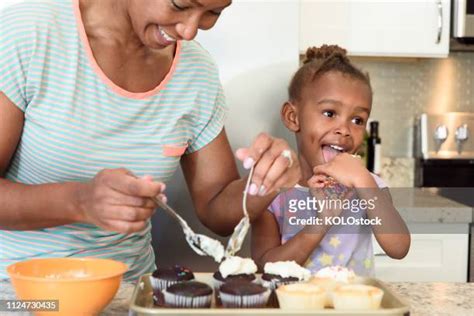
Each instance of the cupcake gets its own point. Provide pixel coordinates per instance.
(161, 278)
(190, 294)
(357, 297)
(243, 294)
(235, 269)
(331, 277)
(283, 272)
(158, 299)
(301, 296)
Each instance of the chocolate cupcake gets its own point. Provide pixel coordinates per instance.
(234, 277)
(272, 281)
(164, 277)
(243, 294)
(233, 269)
(283, 272)
(158, 298)
(190, 294)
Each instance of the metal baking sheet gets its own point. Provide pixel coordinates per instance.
(142, 303)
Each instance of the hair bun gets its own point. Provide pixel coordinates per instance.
(324, 52)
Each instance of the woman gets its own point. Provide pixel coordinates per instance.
(99, 103)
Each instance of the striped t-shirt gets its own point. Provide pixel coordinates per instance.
(78, 122)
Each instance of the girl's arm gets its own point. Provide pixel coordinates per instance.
(266, 242)
(393, 235)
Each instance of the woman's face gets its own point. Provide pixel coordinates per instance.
(159, 23)
(332, 116)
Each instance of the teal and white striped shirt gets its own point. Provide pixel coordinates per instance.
(78, 122)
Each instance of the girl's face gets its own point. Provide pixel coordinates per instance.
(331, 117)
(159, 23)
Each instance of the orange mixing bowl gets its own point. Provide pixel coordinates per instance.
(83, 286)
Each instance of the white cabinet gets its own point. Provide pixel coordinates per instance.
(433, 257)
(399, 28)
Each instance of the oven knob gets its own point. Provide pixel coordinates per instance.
(441, 133)
(462, 133)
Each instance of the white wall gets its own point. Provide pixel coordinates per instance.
(255, 44)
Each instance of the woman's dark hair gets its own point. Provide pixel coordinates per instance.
(319, 61)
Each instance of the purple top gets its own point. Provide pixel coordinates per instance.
(349, 246)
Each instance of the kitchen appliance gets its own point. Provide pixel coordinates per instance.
(463, 18)
(444, 149)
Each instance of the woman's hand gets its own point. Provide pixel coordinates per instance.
(118, 201)
(346, 170)
(276, 164)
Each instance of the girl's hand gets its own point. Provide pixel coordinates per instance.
(276, 164)
(346, 170)
(116, 200)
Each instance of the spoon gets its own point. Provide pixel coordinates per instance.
(201, 244)
(240, 231)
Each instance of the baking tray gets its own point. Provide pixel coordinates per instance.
(142, 303)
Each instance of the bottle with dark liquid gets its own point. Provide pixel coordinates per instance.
(374, 149)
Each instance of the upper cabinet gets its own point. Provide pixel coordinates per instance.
(398, 28)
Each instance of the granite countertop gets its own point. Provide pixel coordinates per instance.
(424, 298)
(422, 205)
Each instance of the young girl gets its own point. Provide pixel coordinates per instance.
(329, 104)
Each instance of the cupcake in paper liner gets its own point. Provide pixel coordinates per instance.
(241, 294)
(357, 297)
(329, 278)
(190, 294)
(162, 278)
(158, 298)
(218, 280)
(283, 272)
(234, 269)
(301, 296)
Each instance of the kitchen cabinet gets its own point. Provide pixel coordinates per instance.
(397, 28)
(434, 257)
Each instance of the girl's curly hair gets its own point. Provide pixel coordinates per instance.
(319, 61)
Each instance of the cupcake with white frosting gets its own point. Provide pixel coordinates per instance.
(330, 278)
(283, 272)
(235, 269)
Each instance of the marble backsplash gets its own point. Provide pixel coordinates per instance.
(406, 87)
(403, 89)
(398, 172)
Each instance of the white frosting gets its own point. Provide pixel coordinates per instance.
(237, 265)
(212, 247)
(338, 273)
(287, 269)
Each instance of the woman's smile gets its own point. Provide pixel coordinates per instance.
(163, 38)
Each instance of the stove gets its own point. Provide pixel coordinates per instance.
(444, 151)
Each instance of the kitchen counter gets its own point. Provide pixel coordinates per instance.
(417, 205)
(424, 298)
